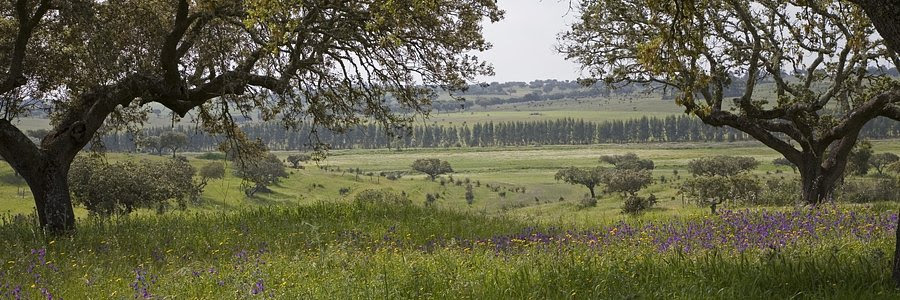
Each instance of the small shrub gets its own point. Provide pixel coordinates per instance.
(344, 191)
(779, 192)
(381, 197)
(869, 190)
(635, 204)
(212, 156)
(430, 199)
(587, 201)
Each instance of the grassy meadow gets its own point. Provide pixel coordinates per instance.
(307, 240)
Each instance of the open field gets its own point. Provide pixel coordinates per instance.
(313, 242)
(528, 168)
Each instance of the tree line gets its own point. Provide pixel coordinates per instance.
(569, 131)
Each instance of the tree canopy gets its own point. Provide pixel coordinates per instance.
(723, 57)
(432, 166)
(628, 161)
(99, 65)
(589, 178)
(721, 165)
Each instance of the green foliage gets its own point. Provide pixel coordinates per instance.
(781, 161)
(589, 178)
(173, 140)
(722, 165)
(432, 166)
(381, 197)
(627, 181)
(628, 161)
(209, 171)
(259, 173)
(587, 201)
(105, 189)
(881, 160)
(635, 204)
(858, 162)
(869, 190)
(779, 192)
(212, 156)
(711, 191)
(296, 159)
(470, 195)
(430, 199)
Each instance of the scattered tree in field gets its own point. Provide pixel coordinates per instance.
(628, 161)
(781, 161)
(259, 173)
(432, 166)
(824, 100)
(329, 62)
(880, 161)
(120, 188)
(589, 178)
(296, 159)
(635, 204)
(720, 178)
(173, 140)
(154, 143)
(858, 162)
(724, 166)
(627, 181)
(209, 171)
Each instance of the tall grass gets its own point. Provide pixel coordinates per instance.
(355, 250)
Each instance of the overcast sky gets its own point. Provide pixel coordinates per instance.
(524, 40)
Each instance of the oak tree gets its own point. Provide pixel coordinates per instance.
(97, 65)
(723, 57)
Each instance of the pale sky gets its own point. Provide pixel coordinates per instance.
(524, 41)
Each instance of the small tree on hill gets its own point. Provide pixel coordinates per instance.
(627, 181)
(296, 159)
(173, 141)
(432, 166)
(212, 170)
(153, 143)
(628, 161)
(881, 160)
(260, 173)
(589, 178)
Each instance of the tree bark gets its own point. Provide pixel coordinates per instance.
(818, 183)
(885, 15)
(593, 195)
(895, 271)
(50, 187)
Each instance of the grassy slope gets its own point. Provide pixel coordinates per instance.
(531, 168)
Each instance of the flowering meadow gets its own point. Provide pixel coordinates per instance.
(346, 250)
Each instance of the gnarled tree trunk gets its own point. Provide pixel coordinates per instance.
(50, 188)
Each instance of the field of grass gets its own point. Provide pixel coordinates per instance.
(365, 250)
(307, 240)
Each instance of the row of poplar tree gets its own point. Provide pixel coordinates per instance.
(513, 133)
